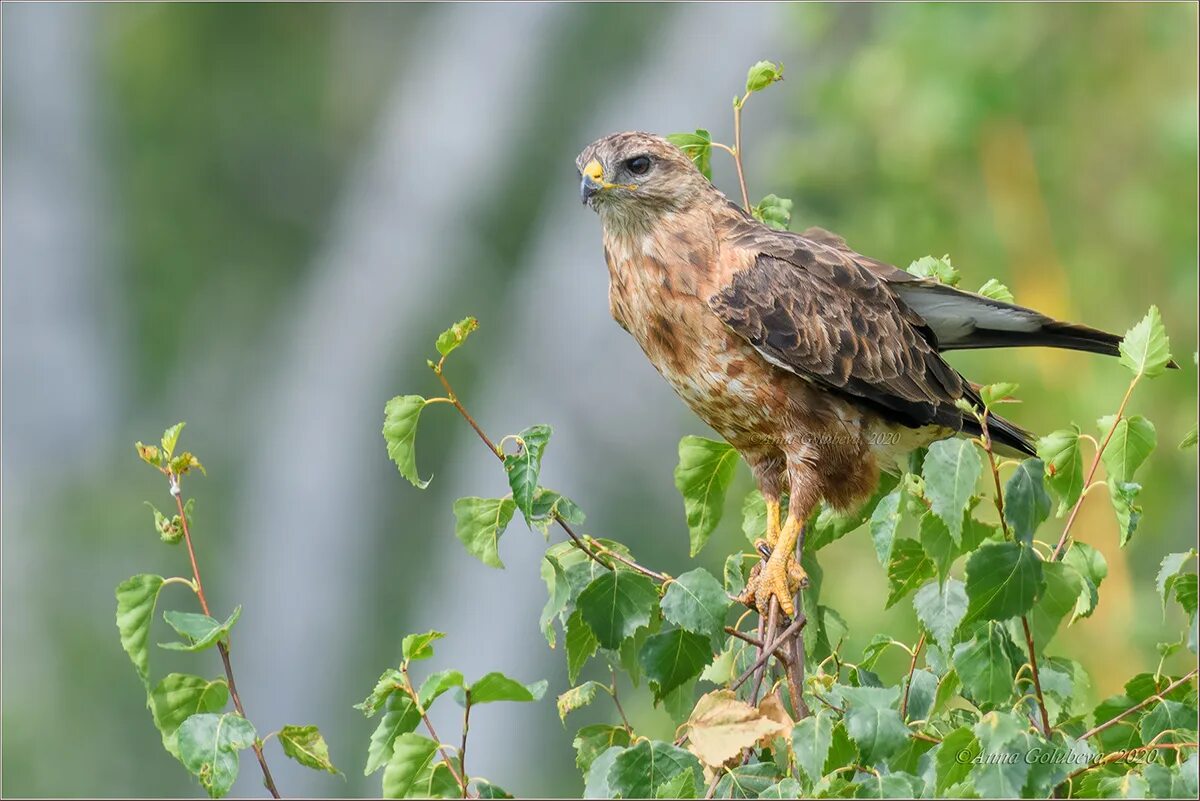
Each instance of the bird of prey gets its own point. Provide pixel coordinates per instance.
(819, 365)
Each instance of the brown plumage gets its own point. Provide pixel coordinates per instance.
(819, 365)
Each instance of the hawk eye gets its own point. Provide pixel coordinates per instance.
(639, 165)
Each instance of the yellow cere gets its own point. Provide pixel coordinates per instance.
(594, 171)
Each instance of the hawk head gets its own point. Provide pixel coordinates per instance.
(632, 178)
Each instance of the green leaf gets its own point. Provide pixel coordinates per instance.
(1146, 350)
(306, 745)
(999, 777)
(136, 597)
(617, 604)
(411, 755)
(762, 75)
(1003, 580)
(638, 771)
(577, 698)
(735, 577)
(951, 470)
(702, 476)
(478, 524)
(682, 786)
(937, 542)
(940, 270)
(498, 687)
(1000, 392)
(831, 525)
(198, 631)
(787, 788)
(179, 696)
(1190, 439)
(596, 779)
(941, 607)
(209, 745)
(1185, 592)
(1129, 514)
(1176, 720)
(873, 722)
(558, 594)
(950, 767)
(436, 684)
(811, 739)
(170, 439)
(581, 644)
(400, 417)
(387, 684)
(1131, 442)
(150, 454)
(671, 658)
(984, 665)
(697, 147)
(420, 646)
(697, 602)
(1092, 568)
(436, 781)
(774, 212)
(1127, 785)
(400, 716)
(524, 468)
(885, 519)
(1064, 465)
(1026, 503)
(549, 506)
(908, 569)
(592, 741)
(455, 335)
(996, 291)
(1058, 600)
(748, 781)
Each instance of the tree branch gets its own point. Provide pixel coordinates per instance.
(221, 643)
(912, 668)
(1037, 681)
(408, 688)
(1092, 732)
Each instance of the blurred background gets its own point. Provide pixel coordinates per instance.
(256, 218)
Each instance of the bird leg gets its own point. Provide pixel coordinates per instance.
(778, 574)
(782, 575)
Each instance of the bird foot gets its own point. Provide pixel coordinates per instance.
(779, 575)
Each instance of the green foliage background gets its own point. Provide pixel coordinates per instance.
(1050, 146)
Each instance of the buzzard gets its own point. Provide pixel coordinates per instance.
(821, 366)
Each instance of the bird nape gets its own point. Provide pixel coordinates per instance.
(821, 366)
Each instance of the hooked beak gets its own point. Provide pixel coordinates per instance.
(592, 181)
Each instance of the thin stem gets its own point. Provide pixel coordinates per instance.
(566, 527)
(737, 149)
(612, 690)
(782, 656)
(462, 751)
(797, 624)
(222, 647)
(1062, 541)
(1118, 755)
(987, 447)
(408, 688)
(1138, 707)
(765, 655)
(912, 668)
(795, 669)
(1037, 681)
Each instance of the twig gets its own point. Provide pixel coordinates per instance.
(1062, 541)
(712, 786)
(408, 688)
(462, 751)
(612, 690)
(1037, 681)
(579, 542)
(737, 148)
(795, 670)
(222, 647)
(772, 630)
(1137, 707)
(797, 624)
(912, 668)
(782, 656)
(1118, 755)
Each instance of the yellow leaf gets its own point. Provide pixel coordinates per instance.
(720, 726)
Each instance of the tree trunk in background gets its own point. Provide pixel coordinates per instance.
(397, 236)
